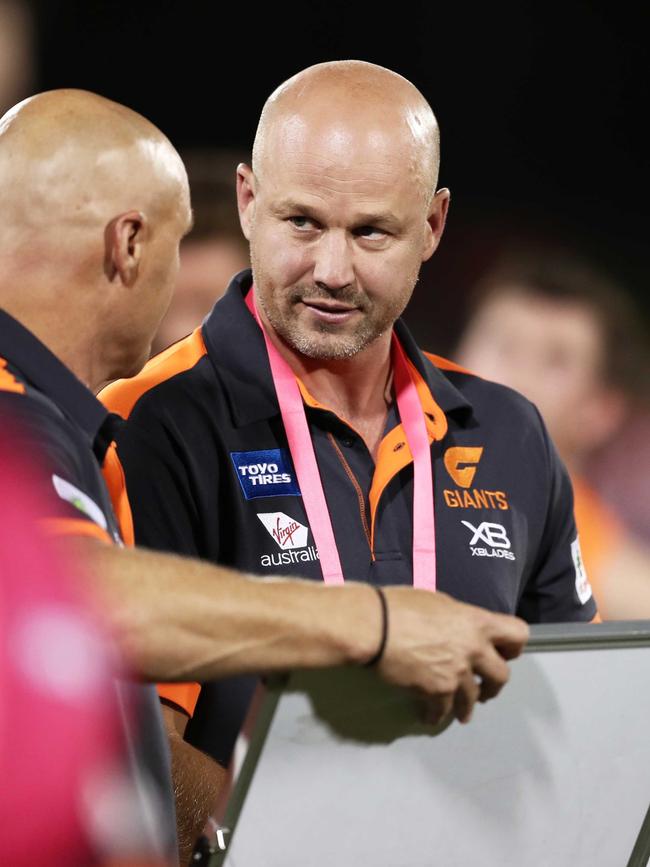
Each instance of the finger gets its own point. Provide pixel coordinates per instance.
(493, 671)
(438, 707)
(509, 634)
(508, 650)
(465, 697)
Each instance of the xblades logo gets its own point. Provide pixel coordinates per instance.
(493, 535)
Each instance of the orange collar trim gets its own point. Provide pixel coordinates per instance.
(436, 420)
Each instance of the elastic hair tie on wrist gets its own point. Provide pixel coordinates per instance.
(384, 628)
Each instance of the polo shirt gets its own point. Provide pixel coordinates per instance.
(66, 431)
(209, 474)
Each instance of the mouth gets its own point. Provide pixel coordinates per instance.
(330, 310)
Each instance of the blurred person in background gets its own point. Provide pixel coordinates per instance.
(624, 482)
(212, 252)
(16, 52)
(554, 328)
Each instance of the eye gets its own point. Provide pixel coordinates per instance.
(302, 223)
(370, 232)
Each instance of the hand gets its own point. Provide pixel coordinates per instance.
(453, 652)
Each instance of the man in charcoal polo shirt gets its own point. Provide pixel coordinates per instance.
(341, 208)
(94, 204)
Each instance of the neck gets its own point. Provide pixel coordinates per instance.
(61, 335)
(355, 387)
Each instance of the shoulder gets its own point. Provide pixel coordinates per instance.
(492, 403)
(174, 372)
(37, 421)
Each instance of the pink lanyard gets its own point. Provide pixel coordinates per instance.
(304, 459)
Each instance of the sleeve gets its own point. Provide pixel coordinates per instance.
(67, 500)
(558, 589)
(159, 488)
(150, 479)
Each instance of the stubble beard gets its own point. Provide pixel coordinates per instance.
(322, 340)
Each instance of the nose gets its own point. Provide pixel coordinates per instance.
(333, 266)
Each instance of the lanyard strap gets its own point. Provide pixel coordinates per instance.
(304, 459)
(412, 418)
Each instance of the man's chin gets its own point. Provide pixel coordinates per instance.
(325, 346)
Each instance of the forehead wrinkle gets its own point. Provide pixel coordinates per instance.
(314, 167)
(333, 180)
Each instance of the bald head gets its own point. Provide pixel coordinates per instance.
(93, 203)
(353, 106)
(70, 157)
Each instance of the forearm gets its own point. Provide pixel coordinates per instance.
(180, 619)
(197, 781)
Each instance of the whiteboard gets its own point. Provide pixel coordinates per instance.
(555, 772)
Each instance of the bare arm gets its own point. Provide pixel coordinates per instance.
(197, 781)
(181, 619)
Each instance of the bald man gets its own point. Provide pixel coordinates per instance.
(94, 204)
(285, 434)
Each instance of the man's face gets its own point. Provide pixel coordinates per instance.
(550, 351)
(206, 267)
(338, 230)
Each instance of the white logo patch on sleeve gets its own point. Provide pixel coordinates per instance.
(79, 500)
(583, 587)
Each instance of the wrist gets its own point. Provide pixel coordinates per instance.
(365, 623)
(383, 638)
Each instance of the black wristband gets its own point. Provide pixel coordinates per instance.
(384, 629)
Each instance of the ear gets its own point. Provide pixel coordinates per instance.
(124, 237)
(436, 222)
(246, 198)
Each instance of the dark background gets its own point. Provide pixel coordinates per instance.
(542, 108)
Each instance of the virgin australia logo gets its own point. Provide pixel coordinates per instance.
(287, 532)
(290, 536)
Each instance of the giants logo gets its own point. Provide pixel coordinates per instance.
(461, 462)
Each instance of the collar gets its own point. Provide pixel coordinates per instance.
(236, 348)
(47, 374)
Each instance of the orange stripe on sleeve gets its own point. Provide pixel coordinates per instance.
(599, 531)
(8, 381)
(116, 484)
(74, 527)
(183, 695)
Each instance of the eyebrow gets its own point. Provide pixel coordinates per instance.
(364, 219)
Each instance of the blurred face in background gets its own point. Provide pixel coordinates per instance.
(206, 267)
(551, 351)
